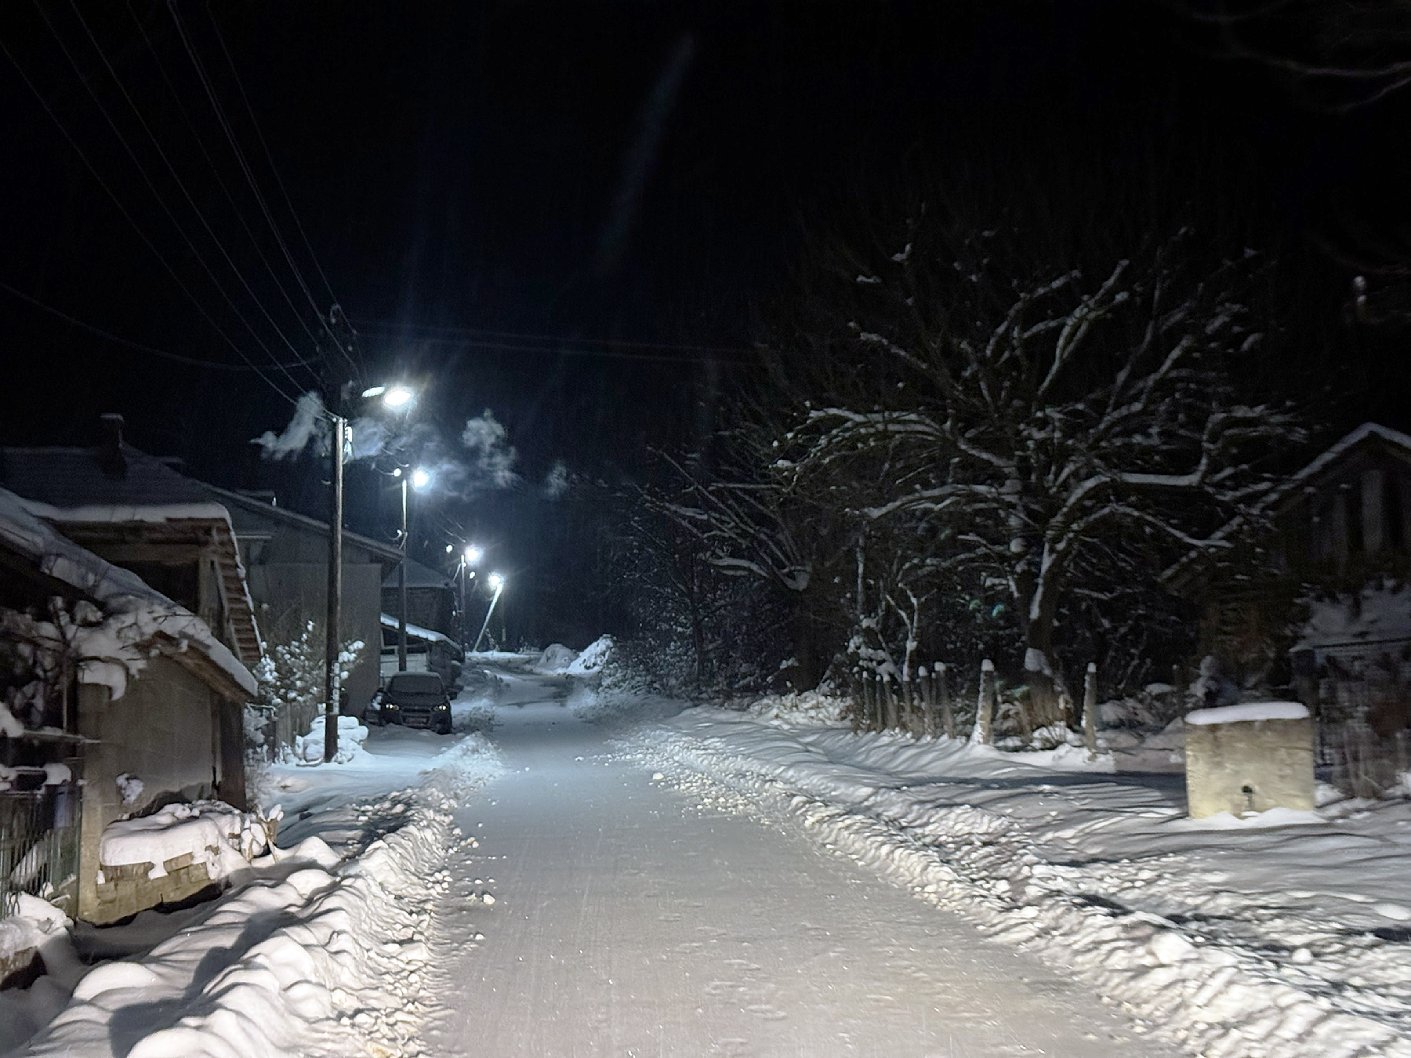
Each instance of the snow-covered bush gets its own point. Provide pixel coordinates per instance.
(291, 677)
(308, 748)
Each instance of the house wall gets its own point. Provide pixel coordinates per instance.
(166, 731)
(287, 592)
(433, 608)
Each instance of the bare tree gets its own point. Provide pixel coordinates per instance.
(1048, 428)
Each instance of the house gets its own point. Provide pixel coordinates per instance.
(427, 651)
(137, 512)
(431, 598)
(1320, 592)
(285, 556)
(112, 683)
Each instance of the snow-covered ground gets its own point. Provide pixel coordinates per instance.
(626, 920)
(577, 872)
(321, 949)
(1234, 939)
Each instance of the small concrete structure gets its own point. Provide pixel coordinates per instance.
(1249, 758)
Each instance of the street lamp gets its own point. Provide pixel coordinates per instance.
(470, 558)
(497, 585)
(419, 478)
(398, 398)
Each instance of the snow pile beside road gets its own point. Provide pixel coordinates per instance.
(595, 655)
(308, 749)
(314, 957)
(1275, 942)
(555, 660)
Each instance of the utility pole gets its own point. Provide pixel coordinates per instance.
(335, 592)
(402, 585)
(336, 385)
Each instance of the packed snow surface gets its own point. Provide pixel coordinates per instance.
(1257, 939)
(1248, 713)
(633, 918)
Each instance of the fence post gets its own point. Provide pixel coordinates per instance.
(943, 697)
(908, 704)
(859, 701)
(1090, 710)
(888, 702)
(928, 702)
(985, 707)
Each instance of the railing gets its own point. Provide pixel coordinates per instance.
(39, 842)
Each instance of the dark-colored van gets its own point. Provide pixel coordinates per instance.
(414, 699)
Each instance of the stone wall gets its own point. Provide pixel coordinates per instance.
(1249, 766)
(126, 890)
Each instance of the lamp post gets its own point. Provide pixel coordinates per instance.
(497, 585)
(419, 478)
(398, 398)
(470, 558)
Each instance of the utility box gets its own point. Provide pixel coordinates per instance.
(1249, 758)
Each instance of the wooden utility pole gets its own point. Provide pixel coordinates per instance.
(333, 616)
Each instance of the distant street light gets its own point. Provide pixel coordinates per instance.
(421, 477)
(497, 585)
(470, 558)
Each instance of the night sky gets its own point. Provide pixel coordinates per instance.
(584, 216)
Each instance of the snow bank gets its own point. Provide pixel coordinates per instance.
(595, 655)
(555, 659)
(316, 957)
(1275, 941)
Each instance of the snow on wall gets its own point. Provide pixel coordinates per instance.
(222, 838)
(1247, 713)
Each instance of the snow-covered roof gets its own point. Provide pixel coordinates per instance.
(430, 635)
(72, 487)
(116, 590)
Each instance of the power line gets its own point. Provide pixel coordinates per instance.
(178, 98)
(521, 336)
(118, 339)
(147, 179)
(141, 234)
(171, 169)
(566, 350)
(248, 172)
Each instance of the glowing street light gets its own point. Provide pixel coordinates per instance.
(421, 477)
(497, 585)
(473, 555)
(397, 397)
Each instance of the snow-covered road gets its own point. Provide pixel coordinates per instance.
(626, 920)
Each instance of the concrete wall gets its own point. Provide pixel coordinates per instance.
(165, 730)
(1252, 765)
